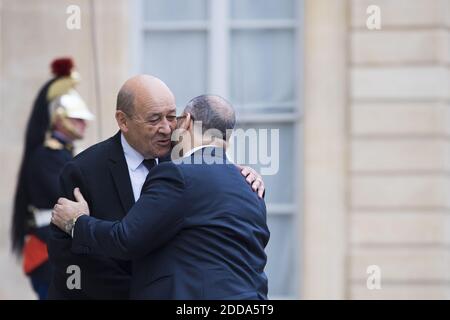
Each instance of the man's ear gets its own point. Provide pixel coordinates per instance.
(186, 122)
(189, 122)
(121, 119)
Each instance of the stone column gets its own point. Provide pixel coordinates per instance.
(325, 102)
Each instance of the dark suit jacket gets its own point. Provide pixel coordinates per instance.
(197, 232)
(101, 173)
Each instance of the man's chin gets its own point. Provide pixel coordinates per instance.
(163, 152)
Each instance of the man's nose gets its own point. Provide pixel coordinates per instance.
(165, 126)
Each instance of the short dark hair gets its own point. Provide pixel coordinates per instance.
(125, 102)
(214, 112)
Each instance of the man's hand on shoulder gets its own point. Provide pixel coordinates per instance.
(253, 178)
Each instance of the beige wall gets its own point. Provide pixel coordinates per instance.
(399, 105)
(377, 148)
(32, 34)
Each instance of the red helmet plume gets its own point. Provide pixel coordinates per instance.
(62, 67)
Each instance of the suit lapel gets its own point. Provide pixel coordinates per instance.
(119, 171)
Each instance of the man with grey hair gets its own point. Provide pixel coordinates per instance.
(214, 112)
(214, 120)
(197, 231)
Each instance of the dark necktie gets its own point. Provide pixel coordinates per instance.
(149, 164)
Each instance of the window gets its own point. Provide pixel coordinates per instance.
(246, 51)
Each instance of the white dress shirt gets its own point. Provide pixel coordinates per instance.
(136, 169)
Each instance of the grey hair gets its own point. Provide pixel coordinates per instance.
(125, 102)
(214, 112)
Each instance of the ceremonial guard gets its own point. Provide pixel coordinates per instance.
(58, 118)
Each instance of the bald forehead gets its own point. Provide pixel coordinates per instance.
(149, 93)
(146, 84)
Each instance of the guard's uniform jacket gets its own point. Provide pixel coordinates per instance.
(42, 176)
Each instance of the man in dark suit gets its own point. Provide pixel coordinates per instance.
(197, 232)
(110, 175)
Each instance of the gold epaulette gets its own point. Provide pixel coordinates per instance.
(53, 144)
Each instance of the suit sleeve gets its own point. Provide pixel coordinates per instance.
(155, 219)
(60, 242)
(46, 165)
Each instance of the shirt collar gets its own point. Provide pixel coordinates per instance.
(197, 148)
(133, 158)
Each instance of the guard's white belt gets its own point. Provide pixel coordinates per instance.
(42, 218)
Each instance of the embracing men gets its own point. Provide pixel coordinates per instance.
(197, 230)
